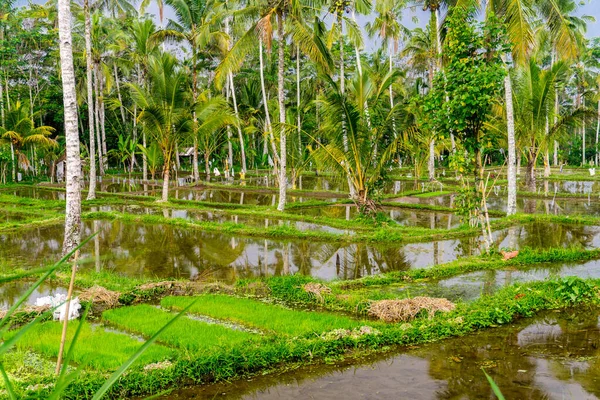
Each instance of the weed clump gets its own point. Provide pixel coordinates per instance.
(317, 289)
(355, 333)
(407, 309)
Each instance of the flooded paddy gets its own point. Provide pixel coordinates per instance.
(154, 250)
(551, 356)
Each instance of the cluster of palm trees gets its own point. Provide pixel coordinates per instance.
(289, 85)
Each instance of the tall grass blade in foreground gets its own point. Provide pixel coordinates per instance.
(495, 387)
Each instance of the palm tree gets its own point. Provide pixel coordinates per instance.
(142, 47)
(212, 115)
(19, 130)
(165, 109)
(90, 98)
(534, 99)
(347, 111)
(311, 44)
(73, 175)
(195, 25)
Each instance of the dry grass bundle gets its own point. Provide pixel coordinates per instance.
(407, 309)
(100, 295)
(317, 289)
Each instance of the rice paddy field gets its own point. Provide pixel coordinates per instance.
(241, 301)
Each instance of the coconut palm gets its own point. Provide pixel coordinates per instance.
(195, 25)
(533, 97)
(347, 111)
(140, 34)
(166, 112)
(308, 40)
(20, 131)
(73, 175)
(213, 114)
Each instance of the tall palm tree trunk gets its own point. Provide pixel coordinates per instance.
(73, 175)
(511, 207)
(597, 133)
(90, 99)
(12, 159)
(195, 171)
(103, 120)
(268, 126)
(281, 100)
(239, 128)
(583, 136)
(97, 121)
(299, 119)
(165, 187)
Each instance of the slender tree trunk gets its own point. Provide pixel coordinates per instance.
(103, 120)
(431, 161)
(597, 133)
(13, 161)
(206, 165)
(264, 92)
(73, 175)
(530, 176)
(583, 136)
(511, 168)
(97, 121)
(90, 99)
(239, 128)
(281, 100)
(298, 111)
(268, 125)
(165, 188)
(195, 170)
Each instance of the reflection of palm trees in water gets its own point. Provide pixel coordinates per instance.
(541, 235)
(515, 356)
(358, 260)
(162, 250)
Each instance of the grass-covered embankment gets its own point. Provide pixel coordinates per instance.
(284, 352)
(96, 348)
(258, 315)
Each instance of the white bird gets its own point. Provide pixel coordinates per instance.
(592, 171)
(216, 172)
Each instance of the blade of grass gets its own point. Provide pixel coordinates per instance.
(495, 387)
(9, 388)
(113, 378)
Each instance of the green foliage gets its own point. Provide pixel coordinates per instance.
(575, 290)
(465, 90)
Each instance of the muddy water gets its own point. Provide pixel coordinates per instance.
(135, 249)
(553, 356)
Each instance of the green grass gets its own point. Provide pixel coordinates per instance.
(185, 333)
(95, 349)
(263, 316)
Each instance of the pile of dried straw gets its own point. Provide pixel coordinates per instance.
(317, 289)
(100, 295)
(407, 309)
